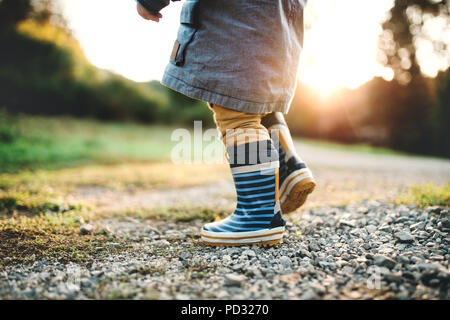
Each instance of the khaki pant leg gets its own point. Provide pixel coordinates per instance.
(239, 127)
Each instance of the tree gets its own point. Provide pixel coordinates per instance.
(405, 24)
(414, 120)
(45, 11)
(13, 11)
(42, 11)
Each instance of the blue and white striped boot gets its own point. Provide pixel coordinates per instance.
(257, 219)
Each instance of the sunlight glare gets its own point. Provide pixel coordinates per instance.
(340, 41)
(114, 37)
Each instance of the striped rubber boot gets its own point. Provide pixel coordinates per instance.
(296, 179)
(257, 219)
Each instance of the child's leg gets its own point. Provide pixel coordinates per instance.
(296, 180)
(254, 166)
(239, 127)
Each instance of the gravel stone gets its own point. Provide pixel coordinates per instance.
(371, 229)
(404, 236)
(234, 280)
(249, 253)
(161, 244)
(86, 229)
(384, 261)
(285, 262)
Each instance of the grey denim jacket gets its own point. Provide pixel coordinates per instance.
(238, 54)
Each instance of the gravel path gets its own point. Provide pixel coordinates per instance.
(370, 250)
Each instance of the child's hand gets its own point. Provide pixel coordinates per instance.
(147, 15)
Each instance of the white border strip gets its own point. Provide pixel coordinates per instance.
(256, 167)
(241, 234)
(248, 240)
(293, 174)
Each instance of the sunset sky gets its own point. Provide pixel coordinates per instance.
(340, 41)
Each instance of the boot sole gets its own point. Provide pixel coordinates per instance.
(262, 238)
(295, 190)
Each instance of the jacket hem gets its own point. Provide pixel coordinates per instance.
(222, 100)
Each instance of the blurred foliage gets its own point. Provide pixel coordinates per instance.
(13, 11)
(44, 71)
(412, 118)
(410, 113)
(405, 25)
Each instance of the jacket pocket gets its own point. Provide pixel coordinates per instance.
(188, 27)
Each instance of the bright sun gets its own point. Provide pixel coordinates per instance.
(340, 41)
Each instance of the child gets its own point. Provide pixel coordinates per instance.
(242, 58)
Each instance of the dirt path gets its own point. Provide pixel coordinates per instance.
(342, 177)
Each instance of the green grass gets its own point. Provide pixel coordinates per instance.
(34, 203)
(182, 213)
(32, 142)
(427, 195)
(25, 239)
